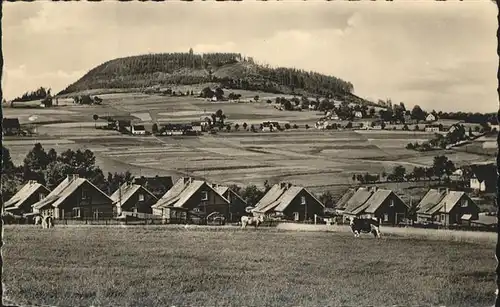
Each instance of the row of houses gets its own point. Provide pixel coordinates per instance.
(438, 206)
(191, 199)
(188, 198)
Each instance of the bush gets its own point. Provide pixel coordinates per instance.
(307, 126)
(295, 126)
(287, 126)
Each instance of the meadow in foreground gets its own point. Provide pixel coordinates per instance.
(161, 266)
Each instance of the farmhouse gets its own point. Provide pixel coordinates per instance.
(175, 129)
(382, 204)
(133, 199)
(358, 114)
(137, 129)
(290, 202)
(321, 125)
(432, 128)
(446, 207)
(237, 204)
(190, 197)
(11, 126)
(484, 177)
(22, 201)
(197, 126)
(76, 198)
(430, 118)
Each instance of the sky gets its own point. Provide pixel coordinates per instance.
(439, 55)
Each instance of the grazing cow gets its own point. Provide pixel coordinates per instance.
(359, 225)
(47, 222)
(38, 220)
(249, 220)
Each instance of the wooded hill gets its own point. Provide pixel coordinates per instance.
(232, 70)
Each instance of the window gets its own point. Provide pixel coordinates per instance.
(134, 210)
(204, 195)
(443, 217)
(141, 197)
(84, 195)
(76, 212)
(392, 203)
(95, 213)
(42, 196)
(302, 200)
(296, 216)
(386, 217)
(465, 203)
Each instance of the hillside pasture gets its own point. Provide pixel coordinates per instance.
(173, 266)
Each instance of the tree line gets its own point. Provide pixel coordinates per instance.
(40, 93)
(51, 168)
(442, 168)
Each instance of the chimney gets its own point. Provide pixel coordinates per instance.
(290, 185)
(439, 190)
(283, 185)
(447, 191)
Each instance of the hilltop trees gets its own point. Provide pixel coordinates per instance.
(189, 68)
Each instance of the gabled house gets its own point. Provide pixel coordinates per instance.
(484, 177)
(354, 205)
(430, 118)
(446, 207)
(432, 128)
(382, 204)
(190, 197)
(358, 114)
(133, 199)
(75, 198)
(290, 202)
(237, 204)
(137, 130)
(22, 201)
(10, 126)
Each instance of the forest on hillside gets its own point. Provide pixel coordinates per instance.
(231, 69)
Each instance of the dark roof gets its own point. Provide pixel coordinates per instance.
(126, 191)
(23, 194)
(342, 202)
(10, 123)
(279, 197)
(436, 201)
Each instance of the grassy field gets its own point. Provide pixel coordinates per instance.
(166, 266)
(319, 160)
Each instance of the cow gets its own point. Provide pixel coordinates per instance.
(365, 225)
(47, 222)
(38, 220)
(249, 220)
